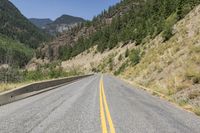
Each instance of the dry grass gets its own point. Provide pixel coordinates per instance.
(10, 86)
(174, 65)
(196, 110)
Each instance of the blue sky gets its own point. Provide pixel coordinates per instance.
(55, 8)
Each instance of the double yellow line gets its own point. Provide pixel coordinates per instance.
(103, 103)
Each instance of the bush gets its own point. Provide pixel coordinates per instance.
(127, 53)
(193, 76)
(120, 58)
(121, 69)
(167, 34)
(134, 56)
(168, 26)
(10, 74)
(34, 75)
(110, 62)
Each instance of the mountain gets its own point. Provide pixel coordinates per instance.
(128, 21)
(18, 37)
(14, 25)
(41, 23)
(147, 42)
(67, 19)
(63, 23)
(60, 25)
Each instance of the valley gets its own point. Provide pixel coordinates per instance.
(152, 45)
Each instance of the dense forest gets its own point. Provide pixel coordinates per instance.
(13, 52)
(18, 36)
(142, 18)
(14, 25)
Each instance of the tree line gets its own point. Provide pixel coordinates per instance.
(144, 18)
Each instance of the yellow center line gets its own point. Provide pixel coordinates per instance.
(109, 119)
(102, 114)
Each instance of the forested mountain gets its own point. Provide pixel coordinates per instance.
(62, 24)
(14, 25)
(13, 52)
(18, 36)
(129, 20)
(67, 19)
(41, 23)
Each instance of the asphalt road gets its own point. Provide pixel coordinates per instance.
(96, 105)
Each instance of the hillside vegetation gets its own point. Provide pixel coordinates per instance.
(151, 43)
(172, 67)
(13, 52)
(62, 24)
(128, 21)
(14, 25)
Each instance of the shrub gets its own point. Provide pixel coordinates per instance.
(110, 62)
(168, 26)
(10, 74)
(121, 69)
(134, 56)
(120, 57)
(167, 33)
(127, 53)
(193, 76)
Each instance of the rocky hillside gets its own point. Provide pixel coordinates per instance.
(151, 43)
(172, 67)
(62, 24)
(76, 36)
(128, 21)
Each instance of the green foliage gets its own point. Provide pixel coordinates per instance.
(120, 57)
(51, 71)
(34, 75)
(146, 18)
(194, 76)
(110, 62)
(67, 19)
(121, 69)
(127, 53)
(14, 25)
(167, 33)
(134, 56)
(10, 74)
(168, 26)
(13, 52)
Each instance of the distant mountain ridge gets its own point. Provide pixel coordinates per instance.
(61, 24)
(67, 19)
(41, 23)
(14, 25)
(18, 37)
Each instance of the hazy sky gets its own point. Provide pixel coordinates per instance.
(55, 8)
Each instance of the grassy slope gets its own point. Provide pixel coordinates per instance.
(172, 67)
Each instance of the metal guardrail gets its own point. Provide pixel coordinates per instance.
(34, 88)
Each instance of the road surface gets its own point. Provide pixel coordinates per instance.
(96, 105)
